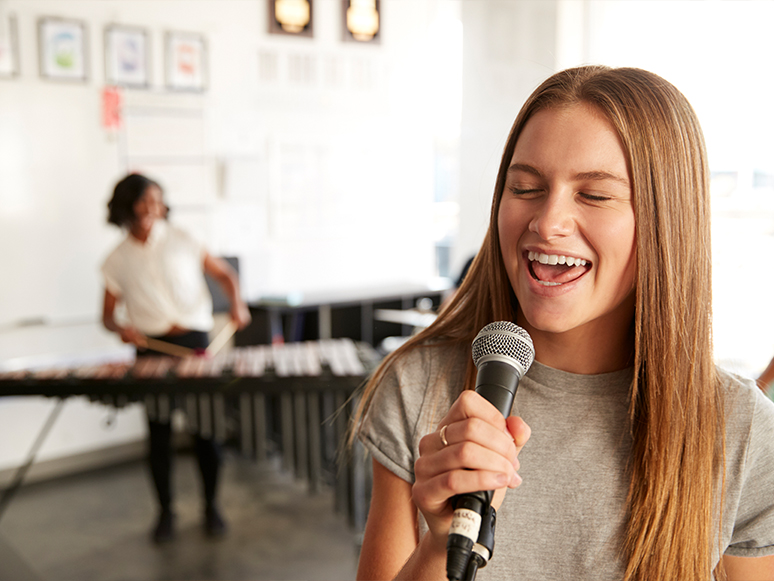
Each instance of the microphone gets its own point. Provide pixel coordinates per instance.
(502, 353)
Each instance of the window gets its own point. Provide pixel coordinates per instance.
(720, 55)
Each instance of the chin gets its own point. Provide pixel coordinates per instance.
(551, 328)
(544, 322)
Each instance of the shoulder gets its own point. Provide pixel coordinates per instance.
(743, 400)
(425, 370)
(180, 238)
(749, 457)
(413, 393)
(431, 361)
(749, 417)
(175, 232)
(116, 255)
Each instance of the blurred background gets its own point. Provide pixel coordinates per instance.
(341, 160)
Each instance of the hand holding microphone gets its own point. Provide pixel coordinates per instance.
(502, 352)
(478, 453)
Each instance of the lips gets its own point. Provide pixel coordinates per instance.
(556, 269)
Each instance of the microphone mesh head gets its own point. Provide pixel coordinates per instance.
(504, 341)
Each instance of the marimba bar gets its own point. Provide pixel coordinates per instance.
(230, 397)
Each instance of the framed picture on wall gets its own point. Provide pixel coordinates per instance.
(63, 49)
(186, 61)
(126, 56)
(361, 21)
(293, 17)
(9, 46)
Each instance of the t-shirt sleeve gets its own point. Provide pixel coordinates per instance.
(108, 275)
(414, 395)
(753, 534)
(388, 427)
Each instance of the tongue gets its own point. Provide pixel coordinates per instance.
(560, 273)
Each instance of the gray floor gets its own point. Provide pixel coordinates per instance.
(95, 526)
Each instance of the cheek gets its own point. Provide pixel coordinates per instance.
(624, 256)
(509, 224)
(507, 244)
(631, 267)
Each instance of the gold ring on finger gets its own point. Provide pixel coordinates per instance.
(442, 433)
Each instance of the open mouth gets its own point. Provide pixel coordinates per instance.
(556, 269)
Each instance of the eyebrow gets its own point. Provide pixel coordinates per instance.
(596, 175)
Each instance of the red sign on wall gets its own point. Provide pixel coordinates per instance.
(112, 100)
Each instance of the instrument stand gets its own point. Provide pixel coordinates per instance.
(18, 478)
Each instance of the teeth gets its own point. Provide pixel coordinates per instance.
(555, 259)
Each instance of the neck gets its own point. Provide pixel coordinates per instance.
(584, 351)
(139, 233)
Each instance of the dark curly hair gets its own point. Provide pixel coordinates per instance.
(125, 194)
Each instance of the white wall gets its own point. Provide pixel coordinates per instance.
(319, 177)
(718, 54)
(310, 159)
(508, 49)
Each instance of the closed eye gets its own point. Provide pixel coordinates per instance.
(594, 197)
(521, 192)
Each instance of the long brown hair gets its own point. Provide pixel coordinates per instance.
(676, 404)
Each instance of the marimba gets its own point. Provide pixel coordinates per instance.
(231, 397)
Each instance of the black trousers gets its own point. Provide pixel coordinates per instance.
(160, 453)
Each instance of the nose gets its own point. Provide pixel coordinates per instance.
(554, 216)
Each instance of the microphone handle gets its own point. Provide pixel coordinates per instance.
(497, 382)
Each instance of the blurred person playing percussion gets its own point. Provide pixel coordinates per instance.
(157, 272)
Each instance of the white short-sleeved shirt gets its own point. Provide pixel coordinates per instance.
(567, 518)
(161, 281)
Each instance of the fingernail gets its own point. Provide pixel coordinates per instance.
(515, 481)
(501, 480)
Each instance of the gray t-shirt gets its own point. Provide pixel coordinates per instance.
(566, 520)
